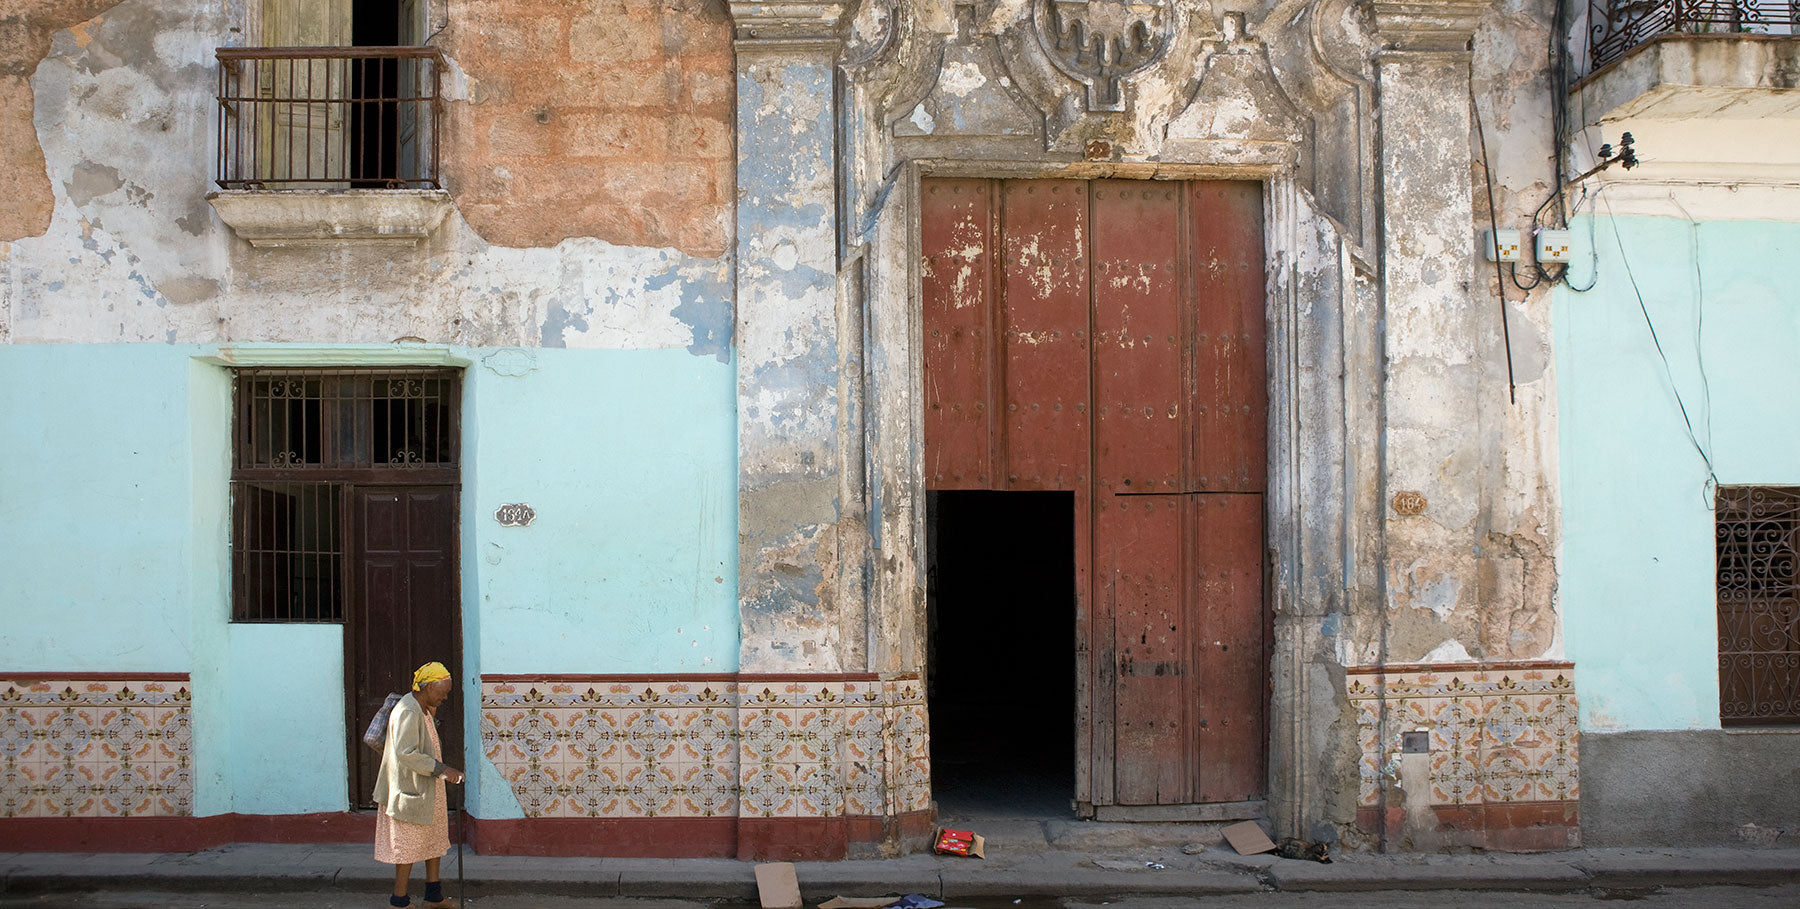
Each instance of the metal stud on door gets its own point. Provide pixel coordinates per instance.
(1044, 338)
(957, 258)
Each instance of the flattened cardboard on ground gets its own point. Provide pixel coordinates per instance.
(1248, 838)
(963, 843)
(777, 887)
(858, 902)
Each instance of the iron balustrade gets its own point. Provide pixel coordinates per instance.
(329, 117)
(1617, 26)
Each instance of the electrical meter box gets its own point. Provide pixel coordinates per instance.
(1552, 246)
(1500, 245)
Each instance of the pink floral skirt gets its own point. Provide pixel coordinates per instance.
(401, 843)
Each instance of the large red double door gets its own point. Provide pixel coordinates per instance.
(1107, 338)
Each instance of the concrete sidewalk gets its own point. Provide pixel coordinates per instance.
(1031, 874)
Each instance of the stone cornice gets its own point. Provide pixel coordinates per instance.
(1428, 25)
(800, 24)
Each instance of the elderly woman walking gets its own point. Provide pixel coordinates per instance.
(413, 824)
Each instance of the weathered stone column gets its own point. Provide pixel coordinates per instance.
(789, 361)
(1433, 342)
(1434, 449)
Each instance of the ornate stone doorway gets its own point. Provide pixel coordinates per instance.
(1105, 339)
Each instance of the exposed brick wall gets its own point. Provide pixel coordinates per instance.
(25, 30)
(606, 119)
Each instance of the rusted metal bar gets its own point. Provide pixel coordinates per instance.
(1617, 26)
(293, 117)
(327, 53)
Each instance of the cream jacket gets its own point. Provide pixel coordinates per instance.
(406, 787)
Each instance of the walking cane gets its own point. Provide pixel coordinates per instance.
(461, 899)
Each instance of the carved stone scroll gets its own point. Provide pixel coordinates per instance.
(1101, 43)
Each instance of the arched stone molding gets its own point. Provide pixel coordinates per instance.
(1314, 53)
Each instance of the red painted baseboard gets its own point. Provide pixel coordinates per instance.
(649, 837)
(1500, 826)
(757, 839)
(180, 834)
(750, 838)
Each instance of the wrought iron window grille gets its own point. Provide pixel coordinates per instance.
(1617, 26)
(303, 441)
(1757, 551)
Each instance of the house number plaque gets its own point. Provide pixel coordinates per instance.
(519, 515)
(1407, 501)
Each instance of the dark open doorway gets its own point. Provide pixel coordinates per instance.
(1001, 672)
(389, 96)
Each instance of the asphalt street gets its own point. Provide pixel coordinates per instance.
(1786, 897)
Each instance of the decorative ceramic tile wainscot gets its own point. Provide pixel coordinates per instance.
(1501, 761)
(721, 746)
(95, 746)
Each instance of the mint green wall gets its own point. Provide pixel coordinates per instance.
(208, 539)
(628, 458)
(284, 729)
(1637, 563)
(114, 541)
(94, 509)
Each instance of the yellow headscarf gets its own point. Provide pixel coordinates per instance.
(428, 673)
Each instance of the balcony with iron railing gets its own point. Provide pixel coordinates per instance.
(329, 144)
(1615, 27)
(294, 117)
(1706, 88)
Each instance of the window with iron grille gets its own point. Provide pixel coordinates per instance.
(1757, 533)
(303, 440)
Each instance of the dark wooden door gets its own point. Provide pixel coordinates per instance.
(1107, 338)
(404, 610)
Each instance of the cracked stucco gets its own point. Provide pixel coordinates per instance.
(132, 252)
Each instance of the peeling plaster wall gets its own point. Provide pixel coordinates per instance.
(788, 367)
(1522, 535)
(1474, 576)
(123, 110)
(25, 30)
(608, 119)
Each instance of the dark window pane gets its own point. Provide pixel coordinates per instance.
(287, 556)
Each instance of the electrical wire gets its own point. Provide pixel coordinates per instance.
(1537, 273)
(1559, 109)
(1712, 475)
(1699, 322)
(1559, 68)
(1487, 173)
(1593, 246)
(440, 29)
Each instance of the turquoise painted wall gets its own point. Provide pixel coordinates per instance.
(628, 458)
(114, 542)
(209, 528)
(285, 722)
(94, 509)
(1637, 565)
